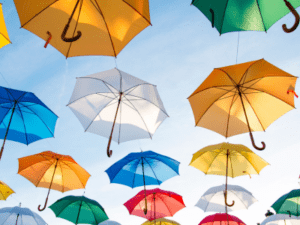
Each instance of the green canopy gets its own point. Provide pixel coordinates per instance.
(79, 209)
(288, 203)
(242, 15)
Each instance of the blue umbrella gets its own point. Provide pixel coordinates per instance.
(143, 168)
(24, 118)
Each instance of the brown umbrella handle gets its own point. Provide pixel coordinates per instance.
(254, 145)
(39, 208)
(297, 19)
(229, 205)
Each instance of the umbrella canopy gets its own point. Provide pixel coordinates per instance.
(114, 100)
(245, 15)
(243, 98)
(161, 221)
(5, 191)
(24, 118)
(160, 204)
(221, 219)
(79, 209)
(4, 38)
(98, 27)
(53, 171)
(213, 199)
(281, 219)
(288, 203)
(19, 216)
(109, 222)
(227, 160)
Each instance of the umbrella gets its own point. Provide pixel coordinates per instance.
(161, 221)
(109, 222)
(143, 168)
(114, 100)
(5, 191)
(4, 38)
(53, 171)
(227, 159)
(19, 216)
(288, 203)
(247, 15)
(160, 204)
(24, 118)
(281, 219)
(243, 98)
(213, 199)
(79, 209)
(76, 28)
(221, 219)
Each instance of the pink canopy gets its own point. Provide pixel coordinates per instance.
(221, 219)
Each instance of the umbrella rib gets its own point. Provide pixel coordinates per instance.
(240, 200)
(79, 11)
(164, 163)
(138, 12)
(261, 16)
(251, 164)
(62, 179)
(96, 222)
(24, 125)
(134, 172)
(75, 173)
(217, 87)
(224, 17)
(232, 102)
(135, 86)
(149, 102)
(41, 120)
(140, 116)
(152, 171)
(228, 74)
(5, 37)
(90, 95)
(269, 77)
(214, 160)
(158, 196)
(248, 70)
(22, 25)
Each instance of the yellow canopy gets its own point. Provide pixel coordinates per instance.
(161, 221)
(107, 26)
(243, 98)
(5, 191)
(4, 38)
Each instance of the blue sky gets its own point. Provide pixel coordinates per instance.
(177, 53)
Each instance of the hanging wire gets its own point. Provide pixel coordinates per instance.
(5, 80)
(116, 62)
(237, 49)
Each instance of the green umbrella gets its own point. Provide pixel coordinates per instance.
(288, 203)
(237, 15)
(79, 209)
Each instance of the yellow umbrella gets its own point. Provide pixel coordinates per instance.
(243, 98)
(53, 171)
(4, 38)
(227, 160)
(92, 27)
(161, 221)
(5, 191)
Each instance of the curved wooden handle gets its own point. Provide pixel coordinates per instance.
(39, 207)
(254, 145)
(297, 19)
(72, 39)
(229, 205)
(145, 209)
(109, 151)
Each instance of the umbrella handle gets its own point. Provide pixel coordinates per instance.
(39, 208)
(145, 209)
(254, 145)
(72, 39)
(229, 205)
(48, 40)
(212, 18)
(109, 151)
(297, 19)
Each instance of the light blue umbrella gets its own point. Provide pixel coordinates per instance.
(24, 118)
(109, 222)
(19, 216)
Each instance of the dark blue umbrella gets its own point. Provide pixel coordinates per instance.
(24, 118)
(143, 168)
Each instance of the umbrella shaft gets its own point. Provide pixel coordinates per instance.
(78, 213)
(73, 11)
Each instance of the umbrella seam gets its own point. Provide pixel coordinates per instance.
(240, 199)
(137, 85)
(138, 12)
(5, 37)
(166, 205)
(262, 20)
(213, 159)
(96, 222)
(224, 17)
(134, 172)
(251, 164)
(24, 125)
(217, 87)
(49, 160)
(229, 114)
(152, 157)
(152, 171)
(244, 75)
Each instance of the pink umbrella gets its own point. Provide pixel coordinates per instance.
(221, 219)
(160, 204)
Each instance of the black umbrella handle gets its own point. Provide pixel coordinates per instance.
(297, 19)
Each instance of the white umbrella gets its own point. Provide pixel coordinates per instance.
(109, 222)
(19, 216)
(213, 199)
(118, 106)
(281, 219)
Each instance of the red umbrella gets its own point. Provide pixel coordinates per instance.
(160, 204)
(221, 219)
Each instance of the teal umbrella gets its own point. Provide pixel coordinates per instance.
(79, 209)
(260, 15)
(288, 203)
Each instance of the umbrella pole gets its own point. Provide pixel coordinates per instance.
(6, 133)
(78, 213)
(225, 194)
(17, 218)
(39, 207)
(109, 152)
(251, 136)
(145, 209)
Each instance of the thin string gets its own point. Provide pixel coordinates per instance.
(116, 62)
(5, 80)
(237, 49)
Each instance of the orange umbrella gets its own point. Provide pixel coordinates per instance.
(53, 171)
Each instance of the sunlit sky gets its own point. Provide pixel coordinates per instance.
(176, 53)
